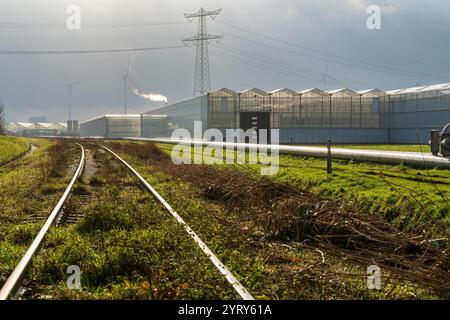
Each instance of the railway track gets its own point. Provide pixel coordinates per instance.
(238, 287)
(59, 216)
(14, 282)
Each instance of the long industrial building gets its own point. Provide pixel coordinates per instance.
(308, 116)
(130, 125)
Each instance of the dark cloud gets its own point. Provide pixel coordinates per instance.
(414, 37)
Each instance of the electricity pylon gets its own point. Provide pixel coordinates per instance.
(202, 76)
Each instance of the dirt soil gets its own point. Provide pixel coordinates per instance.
(285, 213)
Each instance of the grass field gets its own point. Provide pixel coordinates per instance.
(11, 148)
(410, 198)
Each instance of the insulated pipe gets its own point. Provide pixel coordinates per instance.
(415, 159)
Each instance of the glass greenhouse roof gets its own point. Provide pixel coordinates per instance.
(436, 87)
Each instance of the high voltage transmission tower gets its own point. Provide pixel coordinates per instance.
(201, 40)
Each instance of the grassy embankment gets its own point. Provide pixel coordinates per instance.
(11, 148)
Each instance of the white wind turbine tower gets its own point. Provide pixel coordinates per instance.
(125, 78)
(70, 85)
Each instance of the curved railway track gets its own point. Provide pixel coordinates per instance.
(15, 280)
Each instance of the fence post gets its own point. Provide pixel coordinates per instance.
(329, 167)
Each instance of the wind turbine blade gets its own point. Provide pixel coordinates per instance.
(133, 83)
(119, 81)
(65, 76)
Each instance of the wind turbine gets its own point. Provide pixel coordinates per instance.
(70, 86)
(125, 78)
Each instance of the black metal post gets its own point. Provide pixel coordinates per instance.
(329, 167)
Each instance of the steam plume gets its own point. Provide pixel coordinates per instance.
(151, 96)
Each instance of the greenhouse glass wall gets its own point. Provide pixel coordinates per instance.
(284, 105)
(413, 112)
(37, 129)
(223, 109)
(314, 109)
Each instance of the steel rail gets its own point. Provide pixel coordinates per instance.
(15, 280)
(238, 287)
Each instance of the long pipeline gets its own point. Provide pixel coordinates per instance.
(415, 159)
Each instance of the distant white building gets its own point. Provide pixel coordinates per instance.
(36, 129)
(125, 125)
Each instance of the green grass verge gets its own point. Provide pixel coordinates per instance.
(12, 148)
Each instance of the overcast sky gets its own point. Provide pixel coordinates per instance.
(316, 35)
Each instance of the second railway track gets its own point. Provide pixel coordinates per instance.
(68, 211)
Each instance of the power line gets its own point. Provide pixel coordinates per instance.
(371, 64)
(18, 25)
(410, 75)
(283, 71)
(289, 67)
(64, 52)
(392, 72)
(269, 60)
(262, 66)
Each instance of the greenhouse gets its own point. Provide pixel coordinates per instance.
(314, 116)
(307, 116)
(36, 129)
